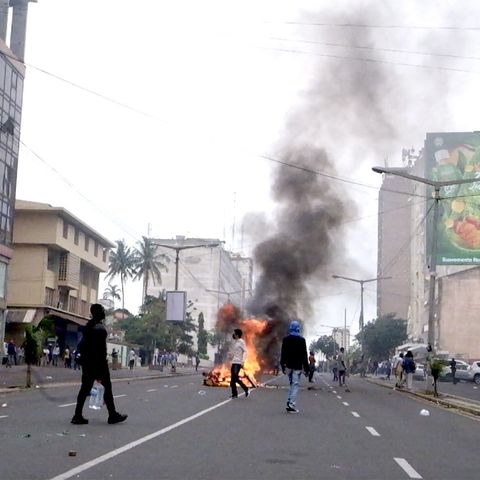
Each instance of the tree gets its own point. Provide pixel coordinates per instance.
(202, 338)
(113, 293)
(148, 264)
(325, 344)
(32, 346)
(381, 336)
(122, 263)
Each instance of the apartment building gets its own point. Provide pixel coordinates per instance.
(54, 271)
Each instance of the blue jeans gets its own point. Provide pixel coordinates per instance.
(294, 379)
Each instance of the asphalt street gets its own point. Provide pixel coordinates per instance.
(179, 429)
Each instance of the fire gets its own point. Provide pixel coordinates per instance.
(220, 375)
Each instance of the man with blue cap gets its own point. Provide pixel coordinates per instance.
(293, 360)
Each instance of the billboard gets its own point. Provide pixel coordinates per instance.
(176, 306)
(455, 156)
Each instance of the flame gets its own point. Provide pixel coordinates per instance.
(220, 375)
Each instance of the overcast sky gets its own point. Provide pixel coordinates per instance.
(156, 114)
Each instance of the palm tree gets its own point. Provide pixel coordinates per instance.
(122, 263)
(112, 292)
(148, 264)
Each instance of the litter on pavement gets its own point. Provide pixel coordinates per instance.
(424, 412)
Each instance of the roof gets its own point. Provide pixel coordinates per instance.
(28, 206)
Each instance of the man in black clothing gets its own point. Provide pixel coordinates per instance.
(93, 359)
(293, 360)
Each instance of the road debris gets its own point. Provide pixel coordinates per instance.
(424, 412)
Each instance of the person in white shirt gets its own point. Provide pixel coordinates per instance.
(238, 355)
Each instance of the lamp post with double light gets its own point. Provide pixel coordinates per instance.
(437, 185)
(361, 282)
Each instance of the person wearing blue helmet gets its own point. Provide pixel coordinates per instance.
(293, 360)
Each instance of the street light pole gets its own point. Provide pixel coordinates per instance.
(361, 282)
(177, 254)
(437, 185)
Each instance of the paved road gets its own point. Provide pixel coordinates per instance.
(177, 428)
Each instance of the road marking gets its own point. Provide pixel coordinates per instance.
(334, 391)
(339, 397)
(346, 404)
(67, 405)
(152, 390)
(409, 470)
(3, 416)
(373, 431)
(136, 443)
(174, 386)
(119, 396)
(355, 414)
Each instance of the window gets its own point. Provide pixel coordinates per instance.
(76, 236)
(51, 261)
(96, 249)
(65, 229)
(72, 304)
(3, 279)
(49, 292)
(87, 243)
(105, 251)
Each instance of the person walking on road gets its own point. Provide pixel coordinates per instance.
(311, 366)
(293, 360)
(93, 358)
(453, 368)
(342, 368)
(197, 362)
(237, 355)
(409, 369)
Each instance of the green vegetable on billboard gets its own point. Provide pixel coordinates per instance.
(456, 156)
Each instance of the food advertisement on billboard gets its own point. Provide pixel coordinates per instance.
(455, 156)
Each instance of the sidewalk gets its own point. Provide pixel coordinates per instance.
(447, 400)
(14, 379)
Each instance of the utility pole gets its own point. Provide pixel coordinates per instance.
(361, 282)
(178, 249)
(345, 330)
(437, 185)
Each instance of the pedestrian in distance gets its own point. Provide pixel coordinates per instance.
(238, 356)
(197, 362)
(342, 368)
(398, 369)
(453, 368)
(294, 360)
(409, 369)
(311, 366)
(335, 370)
(131, 359)
(93, 358)
(388, 369)
(12, 354)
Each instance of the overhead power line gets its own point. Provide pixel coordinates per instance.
(378, 26)
(375, 49)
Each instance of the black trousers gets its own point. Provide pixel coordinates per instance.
(234, 379)
(89, 375)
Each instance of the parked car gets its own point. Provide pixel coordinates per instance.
(462, 373)
(474, 372)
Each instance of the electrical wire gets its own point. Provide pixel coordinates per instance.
(376, 26)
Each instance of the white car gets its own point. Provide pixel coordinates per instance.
(474, 372)
(462, 372)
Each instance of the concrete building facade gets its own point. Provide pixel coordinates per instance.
(394, 232)
(54, 270)
(12, 75)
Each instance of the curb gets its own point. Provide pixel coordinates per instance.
(76, 383)
(471, 409)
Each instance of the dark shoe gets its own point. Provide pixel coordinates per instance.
(116, 418)
(79, 420)
(247, 392)
(291, 409)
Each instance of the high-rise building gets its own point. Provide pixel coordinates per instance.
(394, 232)
(12, 74)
